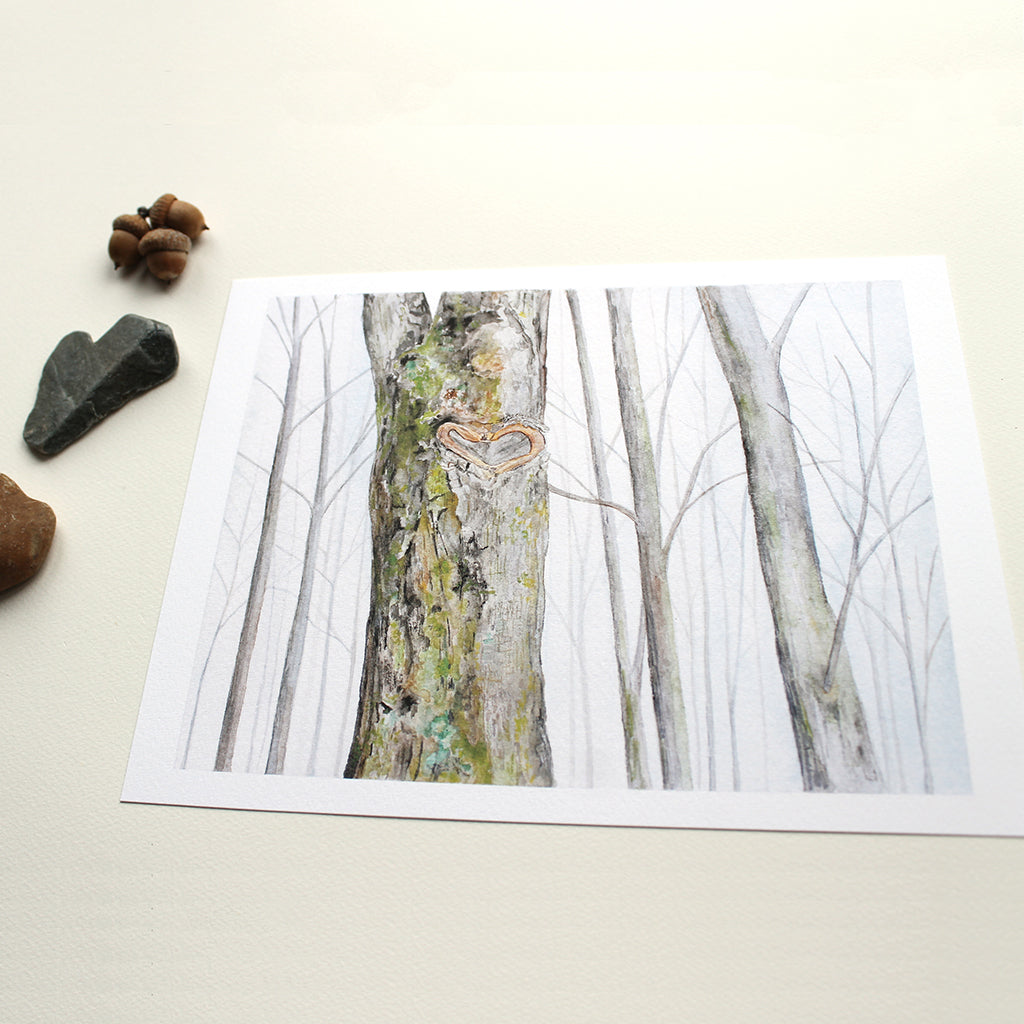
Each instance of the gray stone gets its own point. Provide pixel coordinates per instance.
(85, 381)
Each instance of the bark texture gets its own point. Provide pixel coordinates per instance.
(832, 740)
(452, 685)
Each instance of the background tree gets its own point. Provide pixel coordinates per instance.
(292, 341)
(232, 581)
(276, 556)
(879, 487)
(833, 744)
(662, 656)
(452, 686)
(629, 679)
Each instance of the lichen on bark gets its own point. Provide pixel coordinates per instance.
(452, 685)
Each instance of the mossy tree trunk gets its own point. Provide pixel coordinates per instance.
(833, 745)
(452, 686)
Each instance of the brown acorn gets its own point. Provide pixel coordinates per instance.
(166, 252)
(123, 247)
(171, 212)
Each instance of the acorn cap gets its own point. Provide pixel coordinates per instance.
(164, 240)
(132, 223)
(158, 211)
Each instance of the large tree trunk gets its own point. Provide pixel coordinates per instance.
(662, 655)
(452, 687)
(832, 740)
(261, 567)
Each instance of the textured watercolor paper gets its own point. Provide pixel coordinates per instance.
(672, 545)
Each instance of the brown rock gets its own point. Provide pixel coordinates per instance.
(26, 530)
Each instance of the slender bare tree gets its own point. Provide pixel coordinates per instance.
(261, 567)
(662, 655)
(834, 747)
(629, 681)
(297, 633)
(877, 492)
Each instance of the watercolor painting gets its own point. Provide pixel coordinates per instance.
(619, 539)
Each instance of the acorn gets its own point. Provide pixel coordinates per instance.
(171, 212)
(166, 252)
(123, 247)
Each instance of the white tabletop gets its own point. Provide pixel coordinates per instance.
(336, 138)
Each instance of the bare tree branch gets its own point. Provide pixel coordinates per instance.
(694, 472)
(775, 345)
(631, 516)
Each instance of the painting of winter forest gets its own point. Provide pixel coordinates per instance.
(648, 538)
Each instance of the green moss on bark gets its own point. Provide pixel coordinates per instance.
(432, 688)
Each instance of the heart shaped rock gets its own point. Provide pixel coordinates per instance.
(26, 530)
(84, 381)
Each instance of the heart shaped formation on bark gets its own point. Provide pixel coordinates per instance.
(456, 436)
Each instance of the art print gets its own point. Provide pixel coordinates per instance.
(667, 546)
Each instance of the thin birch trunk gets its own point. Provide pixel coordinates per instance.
(325, 658)
(261, 566)
(833, 745)
(709, 694)
(225, 618)
(662, 655)
(300, 620)
(629, 682)
(734, 673)
(928, 779)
